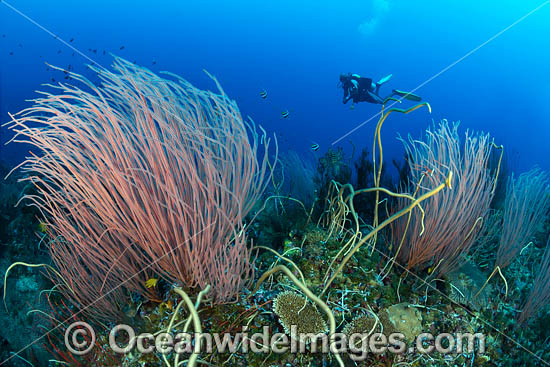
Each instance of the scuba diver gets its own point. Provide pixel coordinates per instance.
(360, 89)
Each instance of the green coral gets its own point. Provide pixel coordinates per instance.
(295, 310)
(362, 324)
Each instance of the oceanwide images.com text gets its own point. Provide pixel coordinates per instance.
(123, 339)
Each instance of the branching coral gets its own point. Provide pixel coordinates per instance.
(298, 317)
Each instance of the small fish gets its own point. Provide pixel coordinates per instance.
(53, 80)
(58, 52)
(95, 51)
(11, 53)
(73, 53)
(42, 227)
(103, 52)
(263, 94)
(20, 45)
(121, 47)
(72, 39)
(152, 282)
(154, 62)
(285, 114)
(3, 36)
(315, 147)
(169, 305)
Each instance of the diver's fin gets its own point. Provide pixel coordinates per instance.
(407, 95)
(384, 79)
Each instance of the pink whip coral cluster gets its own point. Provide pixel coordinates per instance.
(452, 218)
(143, 176)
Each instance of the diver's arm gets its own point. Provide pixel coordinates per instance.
(346, 94)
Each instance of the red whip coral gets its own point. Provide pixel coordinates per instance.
(142, 175)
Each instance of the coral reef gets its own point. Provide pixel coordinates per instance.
(298, 316)
(401, 318)
(321, 253)
(466, 287)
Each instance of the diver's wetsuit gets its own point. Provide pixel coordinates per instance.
(360, 89)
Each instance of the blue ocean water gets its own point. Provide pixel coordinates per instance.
(483, 63)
